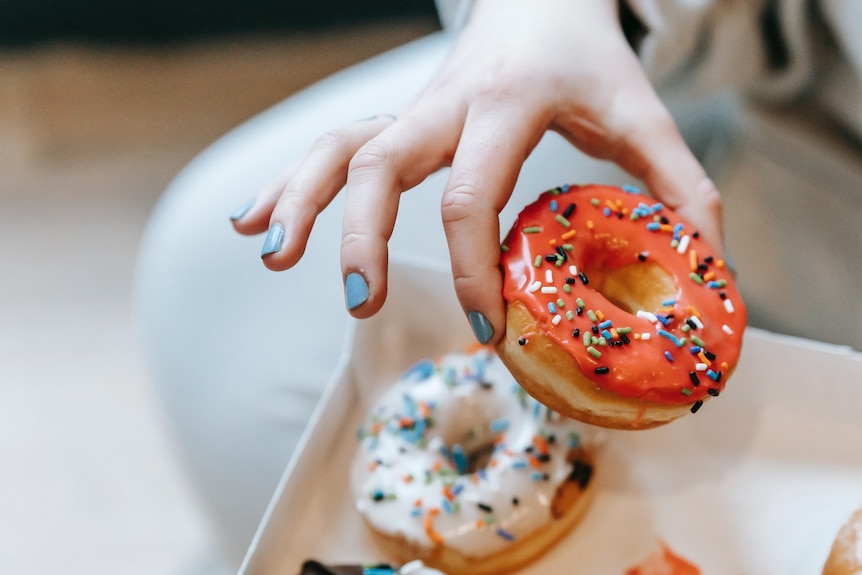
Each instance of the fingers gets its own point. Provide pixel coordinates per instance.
(253, 217)
(655, 152)
(494, 145)
(396, 160)
(288, 207)
(633, 128)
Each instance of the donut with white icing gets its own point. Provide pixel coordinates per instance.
(459, 467)
(618, 314)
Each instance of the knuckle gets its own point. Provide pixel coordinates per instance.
(465, 281)
(373, 154)
(294, 202)
(710, 197)
(361, 241)
(334, 140)
(352, 240)
(505, 80)
(632, 126)
(460, 202)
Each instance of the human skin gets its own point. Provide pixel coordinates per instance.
(513, 74)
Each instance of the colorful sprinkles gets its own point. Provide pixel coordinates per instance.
(688, 342)
(448, 481)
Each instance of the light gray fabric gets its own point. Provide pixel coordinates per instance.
(717, 45)
(712, 45)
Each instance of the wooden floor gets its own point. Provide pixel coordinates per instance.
(88, 139)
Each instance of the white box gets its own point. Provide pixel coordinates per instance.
(757, 482)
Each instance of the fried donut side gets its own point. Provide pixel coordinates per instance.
(570, 502)
(553, 377)
(845, 556)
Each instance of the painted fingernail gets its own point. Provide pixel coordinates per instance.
(355, 290)
(482, 328)
(273, 241)
(242, 211)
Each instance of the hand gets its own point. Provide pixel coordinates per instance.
(516, 71)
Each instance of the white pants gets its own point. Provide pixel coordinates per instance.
(239, 353)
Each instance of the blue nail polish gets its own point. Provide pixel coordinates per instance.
(242, 211)
(355, 290)
(273, 241)
(482, 328)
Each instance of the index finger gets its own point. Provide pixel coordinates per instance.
(397, 159)
(494, 145)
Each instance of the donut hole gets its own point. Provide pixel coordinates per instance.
(478, 457)
(634, 287)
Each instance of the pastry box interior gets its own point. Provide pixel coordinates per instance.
(757, 482)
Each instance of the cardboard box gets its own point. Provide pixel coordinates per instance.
(758, 481)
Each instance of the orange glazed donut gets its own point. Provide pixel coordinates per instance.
(617, 313)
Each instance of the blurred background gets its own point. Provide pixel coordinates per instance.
(101, 103)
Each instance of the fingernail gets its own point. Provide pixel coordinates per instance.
(482, 328)
(242, 211)
(355, 290)
(273, 240)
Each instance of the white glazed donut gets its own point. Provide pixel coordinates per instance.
(460, 468)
